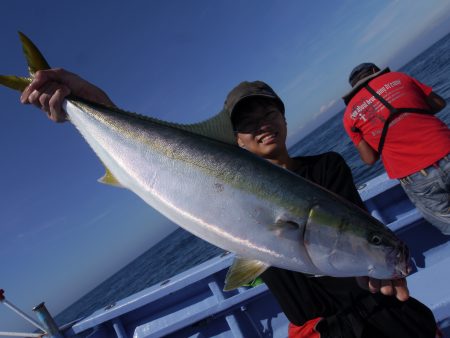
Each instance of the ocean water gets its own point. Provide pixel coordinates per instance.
(180, 250)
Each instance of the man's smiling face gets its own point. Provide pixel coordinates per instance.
(261, 127)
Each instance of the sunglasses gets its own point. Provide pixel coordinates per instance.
(249, 123)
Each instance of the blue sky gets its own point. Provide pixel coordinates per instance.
(62, 232)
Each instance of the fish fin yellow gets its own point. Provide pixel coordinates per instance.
(109, 179)
(35, 60)
(15, 82)
(243, 271)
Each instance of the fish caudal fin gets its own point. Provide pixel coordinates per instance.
(35, 60)
(243, 271)
(15, 82)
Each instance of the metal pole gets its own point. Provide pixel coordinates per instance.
(21, 334)
(18, 311)
(118, 328)
(47, 320)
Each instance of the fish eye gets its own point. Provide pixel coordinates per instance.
(375, 239)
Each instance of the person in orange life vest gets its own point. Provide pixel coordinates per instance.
(391, 115)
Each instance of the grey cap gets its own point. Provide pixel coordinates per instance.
(250, 89)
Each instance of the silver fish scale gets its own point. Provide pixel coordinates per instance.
(219, 192)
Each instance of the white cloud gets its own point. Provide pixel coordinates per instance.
(57, 222)
(325, 108)
(97, 218)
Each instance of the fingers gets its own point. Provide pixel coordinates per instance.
(374, 285)
(57, 114)
(397, 287)
(386, 287)
(49, 97)
(401, 289)
(40, 98)
(50, 87)
(41, 78)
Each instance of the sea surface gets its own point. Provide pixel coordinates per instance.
(180, 250)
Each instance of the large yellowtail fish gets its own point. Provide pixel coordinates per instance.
(199, 178)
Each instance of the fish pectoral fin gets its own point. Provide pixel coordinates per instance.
(110, 179)
(243, 271)
(283, 224)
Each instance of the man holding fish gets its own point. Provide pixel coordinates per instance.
(317, 306)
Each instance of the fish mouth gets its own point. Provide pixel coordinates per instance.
(400, 258)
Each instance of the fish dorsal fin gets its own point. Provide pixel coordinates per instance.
(243, 271)
(218, 127)
(110, 179)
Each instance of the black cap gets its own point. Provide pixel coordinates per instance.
(250, 89)
(361, 71)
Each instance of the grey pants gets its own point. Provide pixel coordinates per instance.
(429, 191)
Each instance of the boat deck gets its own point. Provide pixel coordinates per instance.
(192, 304)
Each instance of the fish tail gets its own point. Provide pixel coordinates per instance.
(15, 82)
(35, 60)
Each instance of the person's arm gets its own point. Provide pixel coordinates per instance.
(436, 102)
(50, 87)
(367, 153)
